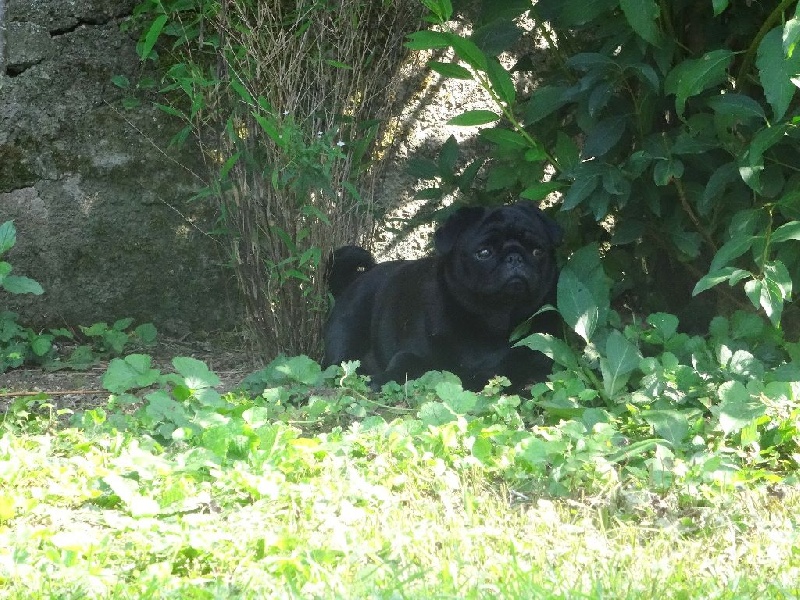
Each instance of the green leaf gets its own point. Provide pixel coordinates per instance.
(448, 156)
(737, 105)
(719, 6)
(300, 369)
(131, 372)
(642, 16)
(422, 168)
(427, 40)
(501, 81)
(544, 101)
(152, 35)
(603, 137)
(787, 231)
(671, 425)
(552, 347)
(737, 409)
(451, 70)
(147, 333)
(540, 191)
(8, 236)
(583, 292)
(580, 189)
(474, 117)
(577, 305)
(505, 138)
(497, 36)
(467, 51)
(621, 359)
(17, 284)
(195, 372)
(692, 77)
(732, 249)
(240, 90)
(42, 344)
(775, 72)
(665, 323)
(730, 274)
(459, 400)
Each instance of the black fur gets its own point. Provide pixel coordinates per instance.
(454, 311)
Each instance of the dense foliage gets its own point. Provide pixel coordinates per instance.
(669, 128)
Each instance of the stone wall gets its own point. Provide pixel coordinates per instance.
(102, 209)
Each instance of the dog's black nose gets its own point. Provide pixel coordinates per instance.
(514, 259)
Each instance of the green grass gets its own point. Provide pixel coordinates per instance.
(666, 468)
(360, 514)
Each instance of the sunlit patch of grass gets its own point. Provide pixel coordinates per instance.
(384, 521)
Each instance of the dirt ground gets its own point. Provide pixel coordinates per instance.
(79, 390)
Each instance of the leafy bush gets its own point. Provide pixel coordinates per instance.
(667, 128)
(20, 345)
(288, 103)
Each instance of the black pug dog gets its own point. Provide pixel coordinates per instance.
(454, 311)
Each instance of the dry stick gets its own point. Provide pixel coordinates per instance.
(53, 393)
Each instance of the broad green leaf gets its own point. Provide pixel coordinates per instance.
(474, 117)
(41, 344)
(300, 369)
(692, 77)
(775, 71)
(552, 347)
(671, 425)
(131, 372)
(642, 16)
(8, 236)
(666, 324)
(459, 400)
(621, 359)
(451, 70)
(195, 372)
(737, 409)
(147, 333)
(787, 231)
(577, 305)
(152, 35)
(18, 284)
(436, 413)
(427, 40)
(583, 292)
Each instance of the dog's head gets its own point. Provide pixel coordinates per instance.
(499, 257)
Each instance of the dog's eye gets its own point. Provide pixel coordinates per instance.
(537, 253)
(483, 253)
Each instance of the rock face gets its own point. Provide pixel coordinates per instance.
(101, 208)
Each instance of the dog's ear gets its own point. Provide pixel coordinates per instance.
(445, 237)
(554, 230)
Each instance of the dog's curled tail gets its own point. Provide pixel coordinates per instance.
(345, 265)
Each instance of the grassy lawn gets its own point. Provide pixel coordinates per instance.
(298, 490)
